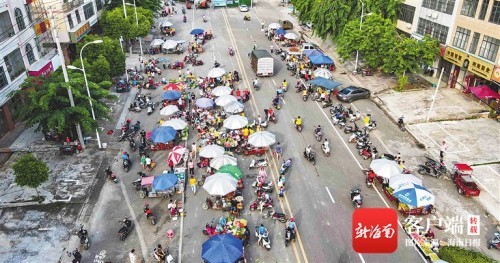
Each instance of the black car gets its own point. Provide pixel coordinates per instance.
(353, 93)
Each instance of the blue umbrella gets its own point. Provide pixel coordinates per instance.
(197, 31)
(163, 134)
(325, 83)
(280, 31)
(321, 60)
(204, 103)
(164, 182)
(171, 95)
(414, 195)
(222, 249)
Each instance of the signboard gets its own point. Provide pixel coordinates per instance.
(42, 27)
(43, 71)
(496, 74)
(80, 33)
(471, 63)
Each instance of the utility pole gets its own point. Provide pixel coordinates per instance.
(435, 94)
(55, 35)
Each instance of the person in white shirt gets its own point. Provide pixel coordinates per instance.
(443, 149)
(132, 256)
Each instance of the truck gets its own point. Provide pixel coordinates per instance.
(262, 63)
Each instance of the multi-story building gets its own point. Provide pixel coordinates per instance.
(22, 29)
(473, 51)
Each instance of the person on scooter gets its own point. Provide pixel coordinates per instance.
(147, 211)
(255, 82)
(367, 120)
(284, 84)
(298, 121)
(305, 93)
(160, 254)
(308, 151)
(276, 101)
(317, 130)
(325, 144)
(205, 19)
(262, 232)
(184, 19)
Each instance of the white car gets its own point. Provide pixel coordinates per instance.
(243, 8)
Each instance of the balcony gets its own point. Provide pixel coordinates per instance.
(66, 7)
(6, 28)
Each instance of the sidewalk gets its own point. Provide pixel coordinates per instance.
(456, 118)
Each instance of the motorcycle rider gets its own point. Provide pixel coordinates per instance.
(290, 225)
(317, 130)
(276, 101)
(325, 144)
(147, 211)
(159, 254)
(262, 232)
(308, 151)
(284, 84)
(184, 19)
(255, 82)
(356, 195)
(109, 173)
(127, 222)
(367, 120)
(305, 93)
(298, 121)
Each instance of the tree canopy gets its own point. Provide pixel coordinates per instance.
(110, 49)
(47, 104)
(153, 5)
(114, 24)
(30, 172)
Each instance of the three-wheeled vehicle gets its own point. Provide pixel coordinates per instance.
(462, 177)
(158, 186)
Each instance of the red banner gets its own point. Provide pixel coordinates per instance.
(43, 71)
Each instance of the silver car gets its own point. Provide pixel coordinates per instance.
(353, 93)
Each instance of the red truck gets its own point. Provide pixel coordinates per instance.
(462, 177)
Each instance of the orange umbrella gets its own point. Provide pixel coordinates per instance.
(173, 86)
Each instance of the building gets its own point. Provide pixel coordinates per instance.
(473, 51)
(22, 31)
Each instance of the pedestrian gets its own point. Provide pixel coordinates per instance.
(193, 150)
(281, 193)
(132, 256)
(191, 166)
(442, 149)
(171, 165)
(278, 150)
(148, 163)
(192, 183)
(143, 161)
(262, 25)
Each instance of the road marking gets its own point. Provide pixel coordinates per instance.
(330, 194)
(453, 137)
(274, 82)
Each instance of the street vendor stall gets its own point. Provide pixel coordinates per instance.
(222, 248)
(158, 186)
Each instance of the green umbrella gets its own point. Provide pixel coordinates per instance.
(233, 170)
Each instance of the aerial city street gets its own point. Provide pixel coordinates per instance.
(250, 131)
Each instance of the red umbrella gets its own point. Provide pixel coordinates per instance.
(176, 154)
(173, 86)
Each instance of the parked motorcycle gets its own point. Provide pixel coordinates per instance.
(266, 186)
(126, 164)
(435, 171)
(84, 237)
(149, 214)
(285, 166)
(351, 129)
(134, 107)
(356, 198)
(282, 217)
(210, 229)
(261, 203)
(354, 116)
(126, 229)
(258, 163)
(264, 240)
(132, 144)
(310, 157)
(368, 152)
(495, 242)
(111, 176)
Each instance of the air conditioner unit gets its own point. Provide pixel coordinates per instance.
(429, 14)
(434, 15)
(408, 25)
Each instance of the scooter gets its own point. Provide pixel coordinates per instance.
(369, 180)
(231, 51)
(126, 229)
(354, 116)
(356, 198)
(327, 104)
(151, 107)
(84, 237)
(297, 127)
(326, 149)
(282, 217)
(285, 166)
(149, 214)
(351, 129)
(266, 186)
(258, 163)
(495, 242)
(357, 136)
(368, 152)
(363, 142)
(311, 157)
(257, 204)
(184, 19)
(126, 164)
(371, 126)
(318, 135)
(76, 254)
(401, 123)
(134, 107)
(111, 176)
(289, 236)
(246, 18)
(305, 97)
(132, 144)
(210, 229)
(264, 240)
(433, 171)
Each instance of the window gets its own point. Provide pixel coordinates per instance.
(70, 21)
(29, 54)
(461, 38)
(78, 18)
(489, 48)
(3, 79)
(406, 13)
(6, 27)
(19, 19)
(473, 43)
(495, 13)
(88, 10)
(444, 6)
(484, 7)
(469, 8)
(435, 30)
(14, 63)
(98, 4)
(27, 7)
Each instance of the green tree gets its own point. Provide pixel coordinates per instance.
(109, 48)
(47, 104)
(153, 5)
(114, 24)
(30, 172)
(100, 69)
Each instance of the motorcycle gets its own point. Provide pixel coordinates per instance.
(258, 163)
(354, 116)
(310, 157)
(326, 149)
(327, 104)
(231, 51)
(76, 255)
(151, 107)
(216, 64)
(134, 107)
(285, 166)
(111, 176)
(318, 135)
(289, 236)
(210, 229)
(149, 214)
(371, 126)
(273, 118)
(401, 123)
(351, 129)
(184, 19)
(84, 237)
(183, 11)
(126, 229)
(246, 18)
(264, 239)
(363, 142)
(368, 152)
(282, 217)
(435, 171)
(357, 136)
(297, 127)
(258, 204)
(495, 242)
(132, 144)
(265, 187)
(356, 198)
(369, 180)
(126, 164)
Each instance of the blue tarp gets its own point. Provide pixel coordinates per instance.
(163, 134)
(197, 31)
(307, 52)
(325, 83)
(280, 31)
(314, 53)
(164, 182)
(321, 60)
(171, 95)
(222, 248)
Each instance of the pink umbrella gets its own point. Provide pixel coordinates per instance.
(176, 154)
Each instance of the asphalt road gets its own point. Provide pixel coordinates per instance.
(317, 196)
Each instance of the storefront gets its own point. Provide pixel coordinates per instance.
(468, 70)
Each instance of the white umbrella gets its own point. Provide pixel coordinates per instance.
(234, 107)
(385, 168)
(323, 72)
(400, 180)
(156, 42)
(220, 184)
(166, 23)
(235, 122)
(216, 72)
(169, 44)
(221, 91)
(291, 36)
(211, 151)
(169, 110)
(222, 160)
(177, 124)
(225, 100)
(262, 139)
(274, 26)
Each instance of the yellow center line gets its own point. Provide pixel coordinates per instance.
(274, 172)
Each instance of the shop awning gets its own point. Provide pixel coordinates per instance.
(484, 92)
(321, 60)
(41, 67)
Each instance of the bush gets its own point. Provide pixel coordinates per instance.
(460, 255)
